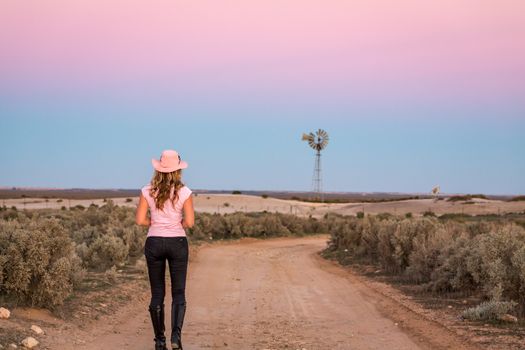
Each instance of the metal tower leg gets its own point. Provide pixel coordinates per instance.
(317, 185)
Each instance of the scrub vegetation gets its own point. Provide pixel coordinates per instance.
(482, 258)
(45, 255)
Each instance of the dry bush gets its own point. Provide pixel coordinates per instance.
(489, 310)
(385, 246)
(496, 263)
(486, 258)
(106, 251)
(111, 275)
(38, 264)
(236, 225)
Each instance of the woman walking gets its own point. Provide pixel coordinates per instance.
(171, 211)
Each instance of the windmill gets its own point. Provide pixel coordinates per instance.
(435, 192)
(318, 142)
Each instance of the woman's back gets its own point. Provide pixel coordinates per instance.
(168, 221)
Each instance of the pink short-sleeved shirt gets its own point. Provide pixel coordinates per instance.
(168, 221)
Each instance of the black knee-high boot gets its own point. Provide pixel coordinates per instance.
(157, 319)
(178, 311)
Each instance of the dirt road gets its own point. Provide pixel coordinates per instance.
(276, 294)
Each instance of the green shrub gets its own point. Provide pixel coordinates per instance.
(360, 214)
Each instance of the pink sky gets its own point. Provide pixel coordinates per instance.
(458, 50)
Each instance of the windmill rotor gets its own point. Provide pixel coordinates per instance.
(317, 141)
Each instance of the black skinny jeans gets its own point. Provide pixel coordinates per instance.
(175, 250)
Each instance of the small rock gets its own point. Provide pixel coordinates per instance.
(450, 306)
(37, 329)
(29, 342)
(13, 346)
(395, 324)
(4, 313)
(465, 302)
(103, 305)
(508, 318)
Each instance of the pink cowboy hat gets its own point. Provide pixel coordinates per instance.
(169, 161)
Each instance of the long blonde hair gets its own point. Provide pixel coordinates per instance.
(162, 184)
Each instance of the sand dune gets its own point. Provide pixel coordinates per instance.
(228, 203)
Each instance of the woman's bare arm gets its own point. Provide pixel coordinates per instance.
(189, 215)
(141, 216)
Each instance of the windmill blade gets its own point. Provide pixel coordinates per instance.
(322, 133)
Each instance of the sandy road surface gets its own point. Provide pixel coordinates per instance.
(276, 294)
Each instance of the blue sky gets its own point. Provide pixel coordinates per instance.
(105, 149)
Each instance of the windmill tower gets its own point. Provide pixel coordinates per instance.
(318, 142)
